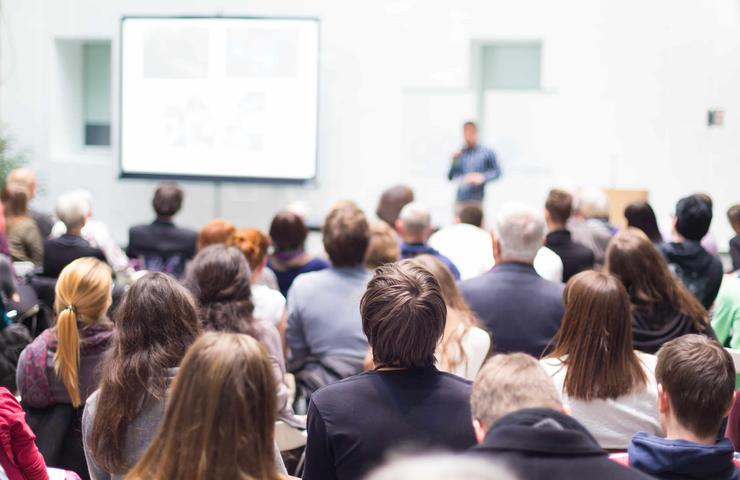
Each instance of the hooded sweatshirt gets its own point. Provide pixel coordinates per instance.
(682, 460)
(700, 271)
(654, 325)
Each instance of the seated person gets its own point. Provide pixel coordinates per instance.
(733, 215)
(662, 307)
(696, 378)
(576, 257)
(520, 422)
(392, 201)
(640, 215)
(465, 242)
(217, 231)
(289, 259)
(26, 178)
(383, 246)
(587, 224)
(61, 251)
(24, 241)
(726, 313)
(609, 387)
(162, 246)
(414, 225)
(519, 308)
(405, 401)
(699, 270)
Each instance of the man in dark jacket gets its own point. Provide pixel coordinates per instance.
(519, 423)
(576, 257)
(414, 226)
(699, 270)
(518, 307)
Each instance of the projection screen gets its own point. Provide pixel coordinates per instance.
(220, 98)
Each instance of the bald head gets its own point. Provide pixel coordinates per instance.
(24, 178)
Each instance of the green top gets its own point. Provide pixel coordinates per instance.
(726, 317)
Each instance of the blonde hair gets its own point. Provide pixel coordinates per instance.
(383, 247)
(83, 296)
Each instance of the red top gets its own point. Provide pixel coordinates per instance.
(19, 456)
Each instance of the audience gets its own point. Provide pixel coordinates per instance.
(215, 232)
(162, 246)
(696, 380)
(640, 215)
(392, 201)
(733, 215)
(414, 225)
(220, 418)
(726, 313)
(700, 271)
(288, 233)
(405, 401)
(518, 307)
(576, 257)
(61, 251)
(383, 246)
(25, 178)
(662, 307)
(520, 422)
(464, 344)
(62, 364)
(608, 387)
(24, 240)
(442, 467)
(324, 333)
(219, 278)
(465, 243)
(155, 324)
(587, 224)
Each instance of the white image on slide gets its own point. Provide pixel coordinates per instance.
(172, 53)
(261, 52)
(188, 125)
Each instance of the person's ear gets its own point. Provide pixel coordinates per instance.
(565, 409)
(664, 403)
(729, 409)
(480, 431)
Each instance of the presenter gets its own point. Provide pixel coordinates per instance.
(473, 167)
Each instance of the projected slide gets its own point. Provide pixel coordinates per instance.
(219, 97)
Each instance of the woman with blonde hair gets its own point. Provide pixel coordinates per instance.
(62, 364)
(220, 419)
(464, 344)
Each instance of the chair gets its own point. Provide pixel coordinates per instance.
(290, 438)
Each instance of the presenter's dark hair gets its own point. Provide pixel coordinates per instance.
(641, 215)
(288, 232)
(470, 123)
(167, 199)
(403, 315)
(559, 205)
(346, 236)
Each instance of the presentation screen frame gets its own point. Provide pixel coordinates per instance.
(122, 174)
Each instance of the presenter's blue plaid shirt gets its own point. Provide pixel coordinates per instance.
(478, 159)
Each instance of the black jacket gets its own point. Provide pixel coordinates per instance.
(163, 246)
(520, 309)
(576, 257)
(699, 270)
(654, 325)
(544, 444)
(60, 252)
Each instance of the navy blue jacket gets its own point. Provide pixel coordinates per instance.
(519, 308)
(410, 250)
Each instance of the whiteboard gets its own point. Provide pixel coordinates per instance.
(222, 98)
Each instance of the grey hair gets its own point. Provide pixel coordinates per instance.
(74, 207)
(442, 467)
(415, 217)
(592, 202)
(520, 231)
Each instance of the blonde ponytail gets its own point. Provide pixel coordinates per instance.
(67, 356)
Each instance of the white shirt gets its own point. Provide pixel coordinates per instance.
(269, 304)
(469, 247)
(613, 422)
(549, 265)
(476, 344)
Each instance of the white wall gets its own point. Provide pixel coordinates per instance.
(627, 86)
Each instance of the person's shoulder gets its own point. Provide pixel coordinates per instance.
(308, 279)
(317, 263)
(337, 393)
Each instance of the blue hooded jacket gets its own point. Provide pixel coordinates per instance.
(681, 459)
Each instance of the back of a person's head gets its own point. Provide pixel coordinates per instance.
(219, 278)
(597, 323)
(415, 219)
(644, 272)
(520, 232)
(446, 281)
(693, 217)
(288, 232)
(254, 244)
(24, 178)
(82, 296)
(559, 205)
(383, 246)
(511, 382)
(217, 231)
(346, 236)
(733, 215)
(15, 200)
(73, 208)
(167, 199)
(592, 202)
(156, 322)
(640, 215)
(220, 416)
(403, 315)
(471, 215)
(392, 201)
(698, 376)
(442, 467)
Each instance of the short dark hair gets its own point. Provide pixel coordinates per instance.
(733, 215)
(288, 232)
(693, 217)
(403, 315)
(167, 199)
(392, 201)
(559, 205)
(699, 377)
(346, 236)
(470, 123)
(471, 214)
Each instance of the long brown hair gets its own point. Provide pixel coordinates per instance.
(15, 203)
(633, 259)
(460, 319)
(156, 323)
(595, 339)
(83, 296)
(220, 417)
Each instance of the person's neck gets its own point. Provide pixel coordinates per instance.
(678, 432)
(414, 240)
(504, 261)
(555, 227)
(75, 231)
(164, 219)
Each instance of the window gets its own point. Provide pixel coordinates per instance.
(96, 92)
(511, 66)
